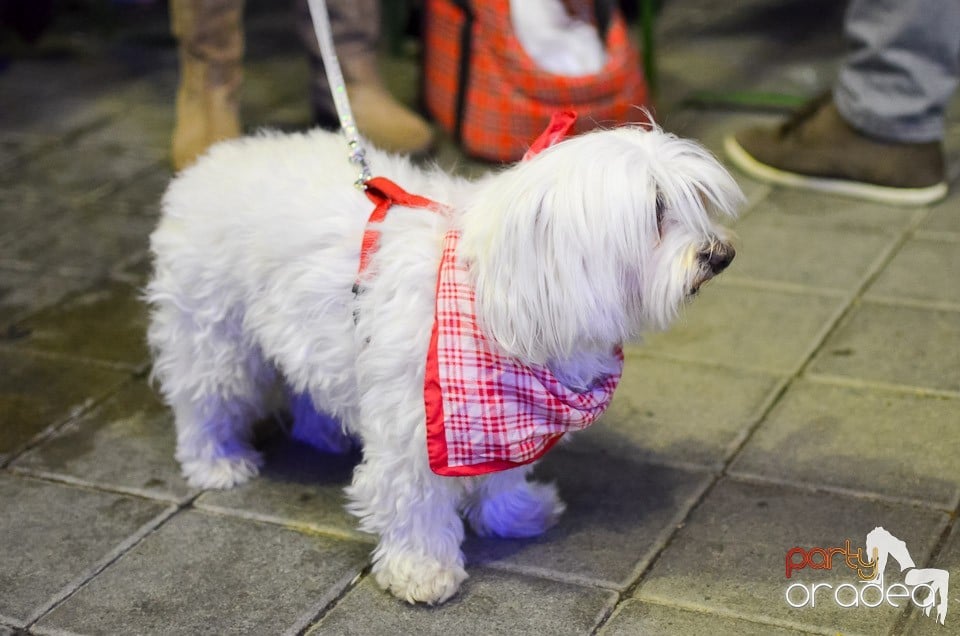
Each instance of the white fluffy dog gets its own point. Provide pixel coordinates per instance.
(587, 245)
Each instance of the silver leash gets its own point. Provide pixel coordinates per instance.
(321, 24)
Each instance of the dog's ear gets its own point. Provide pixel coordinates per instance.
(661, 210)
(546, 241)
(689, 178)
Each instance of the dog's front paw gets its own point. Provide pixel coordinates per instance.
(525, 511)
(419, 579)
(222, 472)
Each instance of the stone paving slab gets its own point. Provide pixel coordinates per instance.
(26, 207)
(146, 103)
(795, 210)
(298, 486)
(774, 247)
(948, 559)
(132, 141)
(38, 393)
(139, 200)
(55, 99)
(490, 602)
(11, 149)
(943, 217)
(201, 572)
(87, 238)
(635, 617)
(886, 443)
(15, 145)
(105, 324)
(619, 513)
(126, 443)
(71, 248)
(760, 329)
(25, 292)
(678, 412)
(892, 344)
(105, 163)
(924, 270)
(730, 555)
(39, 557)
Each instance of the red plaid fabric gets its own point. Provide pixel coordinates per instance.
(506, 98)
(485, 411)
(384, 194)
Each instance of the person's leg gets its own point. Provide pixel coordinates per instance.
(904, 68)
(878, 136)
(210, 38)
(356, 33)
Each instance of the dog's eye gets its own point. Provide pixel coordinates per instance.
(660, 211)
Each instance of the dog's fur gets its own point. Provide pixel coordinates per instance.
(256, 255)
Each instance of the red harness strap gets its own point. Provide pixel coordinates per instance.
(484, 411)
(385, 194)
(561, 122)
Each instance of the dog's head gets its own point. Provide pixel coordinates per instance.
(596, 240)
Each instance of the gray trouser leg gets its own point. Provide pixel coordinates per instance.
(897, 83)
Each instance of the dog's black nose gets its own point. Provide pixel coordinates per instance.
(718, 257)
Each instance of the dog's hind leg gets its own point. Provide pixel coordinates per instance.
(216, 386)
(507, 504)
(317, 428)
(413, 510)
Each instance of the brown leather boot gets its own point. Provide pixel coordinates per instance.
(210, 34)
(817, 149)
(382, 119)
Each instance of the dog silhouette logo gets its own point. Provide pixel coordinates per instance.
(924, 587)
(882, 545)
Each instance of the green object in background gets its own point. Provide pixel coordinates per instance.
(747, 100)
(647, 11)
(396, 15)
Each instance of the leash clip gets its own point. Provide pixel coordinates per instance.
(358, 157)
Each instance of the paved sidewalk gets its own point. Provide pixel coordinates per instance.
(809, 396)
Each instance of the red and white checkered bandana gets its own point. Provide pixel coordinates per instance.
(487, 412)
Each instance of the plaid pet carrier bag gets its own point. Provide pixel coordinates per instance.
(483, 88)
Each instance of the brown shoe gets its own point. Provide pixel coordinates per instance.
(817, 149)
(387, 123)
(383, 120)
